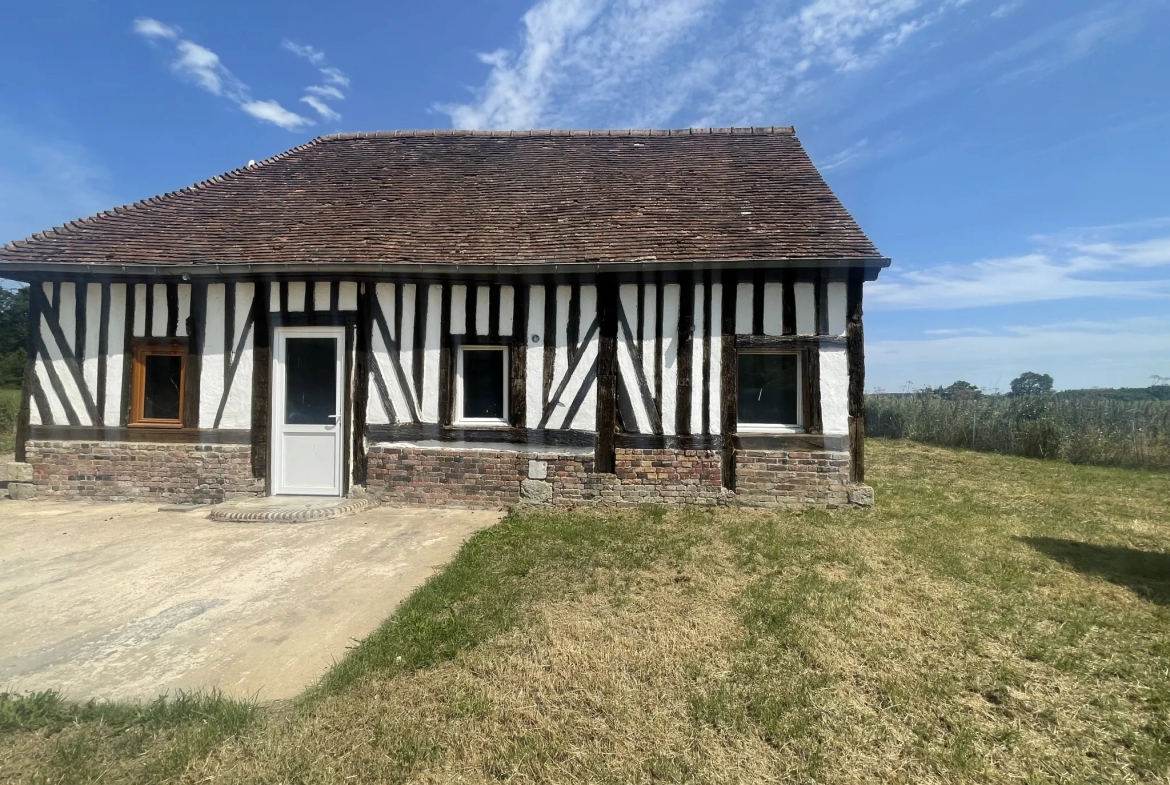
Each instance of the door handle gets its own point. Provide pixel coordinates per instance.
(333, 416)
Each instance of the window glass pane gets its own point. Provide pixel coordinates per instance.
(310, 381)
(483, 383)
(767, 389)
(162, 378)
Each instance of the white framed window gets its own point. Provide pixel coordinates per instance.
(481, 386)
(770, 397)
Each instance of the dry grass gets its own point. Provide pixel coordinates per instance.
(992, 620)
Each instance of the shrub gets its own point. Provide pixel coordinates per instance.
(1098, 431)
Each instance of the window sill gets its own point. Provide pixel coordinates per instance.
(155, 424)
(764, 428)
(480, 424)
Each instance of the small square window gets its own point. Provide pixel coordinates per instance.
(159, 378)
(481, 396)
(769, 392)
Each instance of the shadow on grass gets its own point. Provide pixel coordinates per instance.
(1145, 573)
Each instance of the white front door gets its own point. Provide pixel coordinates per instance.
(307, 420)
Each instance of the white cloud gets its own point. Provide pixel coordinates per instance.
(325, 92)
(644, 62)
(1006, 9)
(273, 112)
(334, 78)
(314, 56)
(851, 153)
(152, 28)
(1065, 269)
(1077, 354)
(201, 66)
(321, 107)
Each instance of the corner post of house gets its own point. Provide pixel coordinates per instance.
(855, 354)
(24, 417)
(361, 381)
(605, 459)
(729, 380)
(261, 370)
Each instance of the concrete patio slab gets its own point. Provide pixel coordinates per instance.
(121, 601)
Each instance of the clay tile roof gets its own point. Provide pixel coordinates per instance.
(490, 197)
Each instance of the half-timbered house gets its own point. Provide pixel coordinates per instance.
(464, 318)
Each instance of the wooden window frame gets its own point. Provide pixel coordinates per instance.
(801, 425)
(140, 351)
(460, 381)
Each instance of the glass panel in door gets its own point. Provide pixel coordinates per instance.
(310, 381)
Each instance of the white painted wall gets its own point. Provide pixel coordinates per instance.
(140, 310)
(670, 343)
(406, 340)
(429, 409)
(835, 293)
(834, 390)
(483, 304)
(649, 339)
(184, 309)
(93, 336)
(773, 308)
(534, 372)
(237, 411)
(296, 296)
(458, 310)
(211, 366)
(68, 384)
(158, 317)
(561, 352)
(67, 314)
(117, 358)
(347, 294)
(628, 295)
(507, 306)
(806, 309)
(743, 308)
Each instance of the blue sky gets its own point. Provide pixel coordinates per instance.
(1011, 156)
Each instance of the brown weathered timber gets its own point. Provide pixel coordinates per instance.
(855, 354)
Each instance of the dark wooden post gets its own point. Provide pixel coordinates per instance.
(855, 352)
(25, 417)
(261, 370)
(604, 459)
(361, 380)
(728, 380)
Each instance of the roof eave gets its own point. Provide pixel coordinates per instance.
(24, 271)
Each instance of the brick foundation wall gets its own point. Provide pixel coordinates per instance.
(768, 478)
(489, 478)
(131, 471)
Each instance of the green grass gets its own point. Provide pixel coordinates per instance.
(993, 619)
(9, 411)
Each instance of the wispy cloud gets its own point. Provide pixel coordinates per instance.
(334, 81)
(152, 28)
(646, 63)
(203, 68)
(1073, 264)
(1006, 9)
(850, 154)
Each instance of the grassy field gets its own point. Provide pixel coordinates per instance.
(993, 620)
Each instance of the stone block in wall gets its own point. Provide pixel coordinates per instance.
(19, 472)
